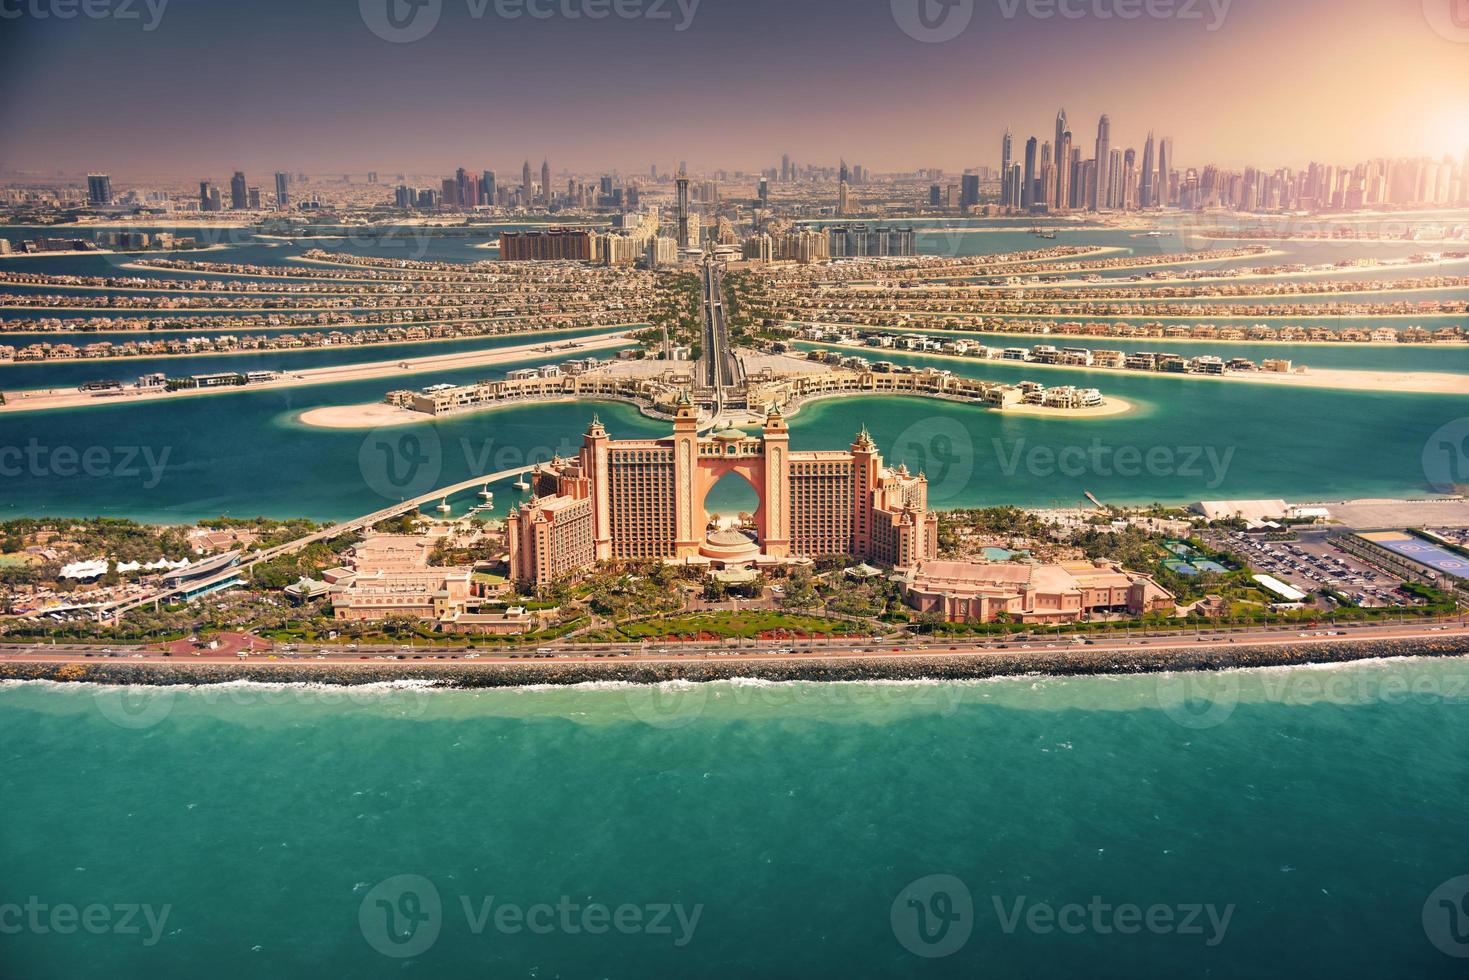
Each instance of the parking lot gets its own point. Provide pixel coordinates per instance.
(1313, 563)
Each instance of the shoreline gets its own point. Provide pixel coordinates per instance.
(48, 399)
(1353, 379)
(913, 667)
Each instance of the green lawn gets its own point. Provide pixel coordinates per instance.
(724, 625)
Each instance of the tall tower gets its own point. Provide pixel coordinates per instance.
(546, 181)
(1062, 132)
(282, 190)
(1147, 187)
(1007, 150)
(239, 192)
(527, 192)
(776, 540)
(1102, 196)
(1164, 192)
(681, 182)
(594, 458)
(687, 530)
(1063, 171)
(1027, 185)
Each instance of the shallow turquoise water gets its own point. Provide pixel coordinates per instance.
(1316, 811)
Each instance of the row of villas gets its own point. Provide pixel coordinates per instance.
(660, 395)
(1064, 356)
(797, 314)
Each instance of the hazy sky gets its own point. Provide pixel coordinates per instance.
(308, 85)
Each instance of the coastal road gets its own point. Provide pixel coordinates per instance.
(768, 651)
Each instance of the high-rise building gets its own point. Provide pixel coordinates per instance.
(1007, 148)
(282, 190)
(1065, 171)
(1058, 194)
(239, 192)
(1101, 197)
(1115, 179)
(843, 199)
(1028, 184)
(764, 192)
(1012, 200)
(1147, 189)
(1165, 172)
(681, 185)
(969, 191)
(546, 182)
(785, 168)
(1129, 180)
(487, 187)
(527, 188)
(99, 190)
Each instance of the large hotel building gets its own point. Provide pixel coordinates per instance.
(644, 499)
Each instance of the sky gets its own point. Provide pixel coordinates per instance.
(204, 87)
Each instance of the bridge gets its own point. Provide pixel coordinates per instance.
(324, 534)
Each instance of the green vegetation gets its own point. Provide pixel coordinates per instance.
(723, 625)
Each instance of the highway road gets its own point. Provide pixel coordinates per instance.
(835, 649)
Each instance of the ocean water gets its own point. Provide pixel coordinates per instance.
(1302, 822)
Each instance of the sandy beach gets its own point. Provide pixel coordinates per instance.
(373, 415)
(1423, 382)
(47, 399)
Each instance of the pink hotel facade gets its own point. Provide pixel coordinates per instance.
(644, 499)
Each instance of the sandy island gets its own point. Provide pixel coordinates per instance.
(47, 399)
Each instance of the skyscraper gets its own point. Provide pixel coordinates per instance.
(527, 190)
(1007, 148)
(681, 184)
(99, 190)
(1147, 190)
(282, 190)
(764, 192)
(1064, 166)
(1165, 163)
(487, 187)
(203, 195)
(1101, 197)
(1027, 186)
(239, 192)
(785, 168)
(546, 181)
(1058, 194)
(969, 191)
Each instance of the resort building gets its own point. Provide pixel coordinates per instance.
(973, 592)
(645, 499)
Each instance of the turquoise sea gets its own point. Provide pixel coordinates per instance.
(1303, 822)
